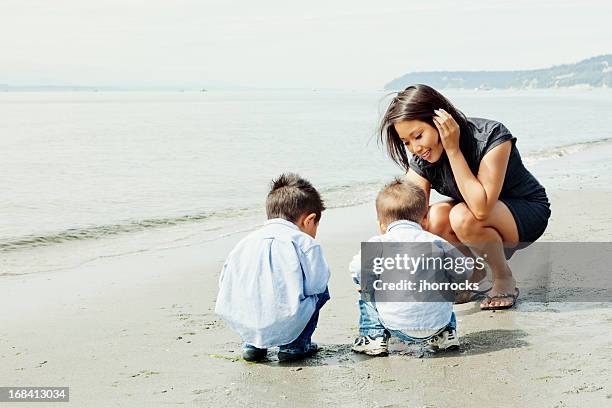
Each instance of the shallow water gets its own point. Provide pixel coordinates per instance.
(90, 166)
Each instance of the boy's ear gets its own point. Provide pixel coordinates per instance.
(307, 219)
(310, 219)
(382, 226)
(424, 222)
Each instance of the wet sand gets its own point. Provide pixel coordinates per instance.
(140, 330)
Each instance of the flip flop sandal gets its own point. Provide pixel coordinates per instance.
(475, 295)
(514, 296)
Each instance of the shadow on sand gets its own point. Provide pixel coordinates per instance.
(481, 342)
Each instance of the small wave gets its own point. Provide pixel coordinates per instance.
(102, 231)
(556, 152)
(348, 195)
(337, 196)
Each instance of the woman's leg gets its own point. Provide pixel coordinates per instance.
(455, 222)
(438, 222)
(487, 238)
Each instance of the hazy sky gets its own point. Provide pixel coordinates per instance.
(339, 44)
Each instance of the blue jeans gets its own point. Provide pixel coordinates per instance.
(370, 324)
(302, 343)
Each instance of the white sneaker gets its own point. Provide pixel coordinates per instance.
(378, 346)
(448, 339)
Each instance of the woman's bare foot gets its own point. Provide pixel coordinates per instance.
(501, 286)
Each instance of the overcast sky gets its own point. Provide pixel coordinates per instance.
(337, 44)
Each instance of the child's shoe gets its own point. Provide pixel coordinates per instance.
(285, 354)
(378, 346)
(448, 339)
(252, 353)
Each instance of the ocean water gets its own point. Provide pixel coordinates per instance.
(109, 167)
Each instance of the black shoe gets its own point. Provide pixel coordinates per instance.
(287, 355)
(250, 353)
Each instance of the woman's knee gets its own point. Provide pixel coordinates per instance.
(463, 222)
(438, 219)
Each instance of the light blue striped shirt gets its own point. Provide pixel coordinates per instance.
(268, 283)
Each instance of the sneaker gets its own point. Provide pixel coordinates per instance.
(286, 355)
(371, 346)
(448, 339)
(251, 353)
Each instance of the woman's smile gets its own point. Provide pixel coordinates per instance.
(426, 155)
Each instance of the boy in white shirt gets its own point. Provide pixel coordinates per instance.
(401, 208)
(274, 281)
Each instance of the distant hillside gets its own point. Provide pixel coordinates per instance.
(592, 72)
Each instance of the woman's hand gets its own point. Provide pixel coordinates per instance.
(448, 130)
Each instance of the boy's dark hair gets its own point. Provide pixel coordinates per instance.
(401, 200)
(291, 196)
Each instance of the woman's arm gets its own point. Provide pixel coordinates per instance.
(480, 192)
(420, 181)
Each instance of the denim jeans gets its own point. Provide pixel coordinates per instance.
(302, 343)
(370, 324)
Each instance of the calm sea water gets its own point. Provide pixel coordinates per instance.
(89, 166)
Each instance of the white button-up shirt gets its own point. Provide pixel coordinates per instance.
(410, 315)
(268, 281)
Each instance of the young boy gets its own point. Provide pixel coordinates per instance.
(401, 208)
(274, 282)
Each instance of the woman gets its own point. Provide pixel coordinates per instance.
(497, 204)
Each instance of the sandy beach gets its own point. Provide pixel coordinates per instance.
(141, 141)
(139, 330)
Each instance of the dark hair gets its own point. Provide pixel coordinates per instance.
(417, 102)
(401, 200)
(291, 196)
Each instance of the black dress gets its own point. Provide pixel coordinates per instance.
(521, 192)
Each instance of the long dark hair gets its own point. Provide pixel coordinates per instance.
(417, 102)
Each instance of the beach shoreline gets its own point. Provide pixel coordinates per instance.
(140, 330)
(590, 173)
